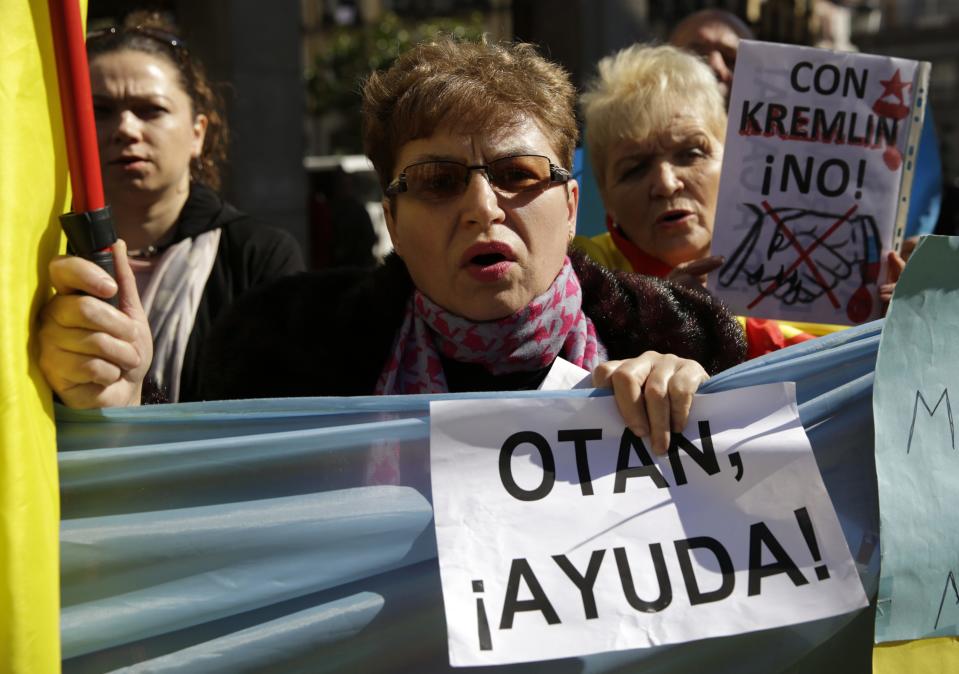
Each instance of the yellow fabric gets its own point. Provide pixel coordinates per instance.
(792, 328)
(814, 329)
(33, 192)
(924, 656)
(789, 330)
(602, 249)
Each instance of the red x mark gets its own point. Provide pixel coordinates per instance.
(803, 254)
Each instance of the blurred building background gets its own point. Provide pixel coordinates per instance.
(293, 68)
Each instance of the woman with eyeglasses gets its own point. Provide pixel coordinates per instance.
(185, 253)
(472, 143)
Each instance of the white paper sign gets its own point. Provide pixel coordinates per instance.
(560, 535)
(563, 376)
(819, 153)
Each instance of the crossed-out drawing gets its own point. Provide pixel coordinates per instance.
(798, 256)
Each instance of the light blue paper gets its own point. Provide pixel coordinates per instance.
(916, 407)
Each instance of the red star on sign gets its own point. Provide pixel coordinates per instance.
(894, 87)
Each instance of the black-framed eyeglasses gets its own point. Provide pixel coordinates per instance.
(114, 34)
(437, 180)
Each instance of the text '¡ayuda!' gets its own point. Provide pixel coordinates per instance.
(522, 579)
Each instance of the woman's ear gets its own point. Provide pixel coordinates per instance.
(389, 206)
(200, 123)
(572, 204)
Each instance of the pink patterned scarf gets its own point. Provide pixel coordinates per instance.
(553, 324)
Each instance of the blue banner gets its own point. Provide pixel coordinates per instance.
(257, 536)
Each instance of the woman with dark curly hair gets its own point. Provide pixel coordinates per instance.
(162, 139)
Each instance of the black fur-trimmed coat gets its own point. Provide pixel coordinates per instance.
(330, 332)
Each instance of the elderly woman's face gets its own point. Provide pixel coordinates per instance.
(662, 190)
(481, 254)
(146, 129)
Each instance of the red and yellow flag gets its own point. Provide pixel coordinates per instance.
(34, 190)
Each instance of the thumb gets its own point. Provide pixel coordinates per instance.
(896, 265)
(703, 265)
(126, 282)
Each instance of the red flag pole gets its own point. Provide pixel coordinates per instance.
(89, 227)
(76, 101)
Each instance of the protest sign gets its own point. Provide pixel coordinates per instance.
(816, 175)
(915, 405)
(560, 534)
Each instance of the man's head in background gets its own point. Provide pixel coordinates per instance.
(713, 34)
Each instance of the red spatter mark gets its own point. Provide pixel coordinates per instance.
(893, 158)
(893, 87)
(859, 307)
(890, 110)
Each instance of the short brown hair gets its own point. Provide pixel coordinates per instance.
(478, 86)
(152, 33)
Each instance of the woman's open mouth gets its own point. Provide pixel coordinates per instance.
(489, 261)
(673, 218)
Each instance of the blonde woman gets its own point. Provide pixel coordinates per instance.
(655, 125)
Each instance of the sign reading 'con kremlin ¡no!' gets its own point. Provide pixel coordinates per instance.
(560, 534)
(819, 157)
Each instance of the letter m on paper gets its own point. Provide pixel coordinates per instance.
(932, 413)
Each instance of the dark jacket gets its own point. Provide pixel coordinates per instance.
(330, 332)
(250, 254)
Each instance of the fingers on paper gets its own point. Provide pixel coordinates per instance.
(653, 393)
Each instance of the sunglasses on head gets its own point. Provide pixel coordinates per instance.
(441, 179)
(113, 34)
